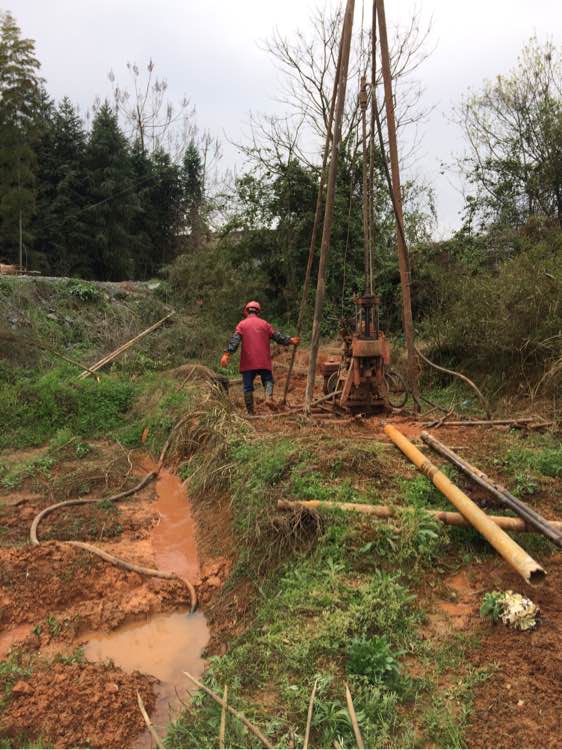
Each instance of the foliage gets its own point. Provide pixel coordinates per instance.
(84, 291)
(514, 132)
(492, 605)
(33, 410)
(374, 659)
(16, 667)
(20, 99)
(500, 317)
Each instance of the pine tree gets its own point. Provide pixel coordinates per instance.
(158, 225)
(112, 199)
(61, 225)
(193, 194)
(19, 101)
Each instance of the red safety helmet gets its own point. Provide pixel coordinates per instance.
(253, 305)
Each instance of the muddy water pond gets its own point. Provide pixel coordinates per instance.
(165, 645)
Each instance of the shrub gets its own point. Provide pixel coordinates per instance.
(374, 659)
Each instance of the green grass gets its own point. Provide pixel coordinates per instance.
(32, 410)
(16, 667)
(335, 604)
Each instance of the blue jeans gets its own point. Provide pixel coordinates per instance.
(249, 376)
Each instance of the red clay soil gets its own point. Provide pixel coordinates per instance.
(519, 706)
(78, 589)
(72, 705)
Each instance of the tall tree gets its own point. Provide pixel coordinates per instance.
(193, 179)
(19, 102)
(112, 199)
(61, 224)
(514, 134)
(158, 225)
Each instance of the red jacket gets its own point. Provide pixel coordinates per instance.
(255, 334)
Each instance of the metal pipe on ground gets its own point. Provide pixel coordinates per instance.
(511, 552)
(530, 516)
(508, 523)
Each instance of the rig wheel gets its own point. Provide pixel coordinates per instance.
(396, 389)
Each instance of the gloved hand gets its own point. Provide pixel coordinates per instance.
(295, 340)
(225, 359)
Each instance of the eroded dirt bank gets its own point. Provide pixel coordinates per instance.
(72, 685)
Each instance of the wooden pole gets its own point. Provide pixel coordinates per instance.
(403, 261)
(329, 209)
(149, 724)
(353, 717)
(309, 716)
(127, 345)
(222, 728)
(507, 523)
(511, 552)
(248, 724)
(316, 223)
(366, 203)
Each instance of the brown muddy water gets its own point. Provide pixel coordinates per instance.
(164, 645)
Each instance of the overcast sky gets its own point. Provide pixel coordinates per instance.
(210, 51)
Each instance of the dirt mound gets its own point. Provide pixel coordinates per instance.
(80, 590)
(519, 705)
(69, 706)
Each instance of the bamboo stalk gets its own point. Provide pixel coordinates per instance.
(248, 724)
(149, 724)
(512, 553)
(471, 422)
(508, 523)
(222, 728)
(127, 345)
(353, 717)
(309, 715)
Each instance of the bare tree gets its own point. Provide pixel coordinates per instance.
(146, 113)
(513, 128)
(307, 62)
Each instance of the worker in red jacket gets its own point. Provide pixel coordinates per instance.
(254, 334)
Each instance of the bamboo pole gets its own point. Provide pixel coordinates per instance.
(329, 208)
(528, 514)
(127, 345)
(512, 553)
(149, 724)
(309, 715)
(508, 523)
(353, 717)
(316, 223)
(222, 728)
(403, 260)
(483, 422)
(248, 724)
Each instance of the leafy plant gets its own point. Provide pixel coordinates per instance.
(85, 291)
(374, 659)
(492, 605)
(82, 450)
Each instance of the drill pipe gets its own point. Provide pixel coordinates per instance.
(508, 523)
(529, 515)
(511, 552)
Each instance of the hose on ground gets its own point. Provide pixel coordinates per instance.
(118, 562)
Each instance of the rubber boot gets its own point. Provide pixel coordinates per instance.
(269, 396)
(249, 401)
